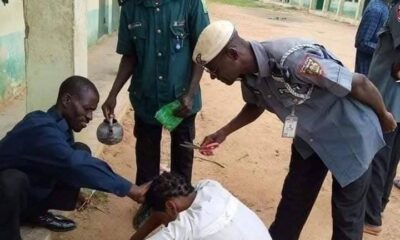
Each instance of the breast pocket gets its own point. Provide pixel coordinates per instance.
(139, 36)
(179, 35)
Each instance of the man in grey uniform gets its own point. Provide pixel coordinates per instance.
(338, 115)
(384, 72)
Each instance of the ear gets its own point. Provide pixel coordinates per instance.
(232, 53)
(66, 99)
(171, 209)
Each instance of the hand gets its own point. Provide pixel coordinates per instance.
(396, 71)
(212, 141)
(137, 193)
(186, 106)
(388, 123)
(109, 106)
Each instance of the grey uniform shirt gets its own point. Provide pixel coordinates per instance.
(387, 51)
(343, 132)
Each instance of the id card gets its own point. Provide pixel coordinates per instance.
(289, 126)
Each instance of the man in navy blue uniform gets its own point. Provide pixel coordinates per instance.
(42, 167)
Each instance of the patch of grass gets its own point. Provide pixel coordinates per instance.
(240, 3)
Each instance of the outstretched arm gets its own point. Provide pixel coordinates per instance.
(248, 114)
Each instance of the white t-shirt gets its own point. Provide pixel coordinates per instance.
(214, 215)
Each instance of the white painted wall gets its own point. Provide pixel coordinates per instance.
(52, 48)
(11, 17)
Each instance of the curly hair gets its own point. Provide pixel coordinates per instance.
(165, 187)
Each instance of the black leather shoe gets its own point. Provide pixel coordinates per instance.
(54, 223)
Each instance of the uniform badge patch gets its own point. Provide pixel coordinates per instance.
(311, 67)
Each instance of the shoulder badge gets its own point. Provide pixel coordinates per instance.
(310, 67)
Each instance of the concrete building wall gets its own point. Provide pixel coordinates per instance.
(102, 18)
(12, 50)
(343, 10)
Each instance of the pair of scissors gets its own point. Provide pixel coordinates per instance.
(190, 145)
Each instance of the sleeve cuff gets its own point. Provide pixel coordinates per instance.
(343, 86)
(123, 187)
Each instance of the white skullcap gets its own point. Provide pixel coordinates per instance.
(212, 40)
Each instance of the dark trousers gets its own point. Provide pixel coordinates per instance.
(300, 190)
(384, 168)
(17, 204)
(148, 140)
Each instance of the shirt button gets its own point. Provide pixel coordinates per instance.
(160, 77)
(269, 96)
(159, 54)
(134, 38)
(157, 9)
(311, 140)
(158, 31)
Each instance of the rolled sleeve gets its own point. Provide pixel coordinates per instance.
(366, 39)
(125, 45)
(325, 73)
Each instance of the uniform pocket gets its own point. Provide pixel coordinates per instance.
(179, 36)
(139, 36)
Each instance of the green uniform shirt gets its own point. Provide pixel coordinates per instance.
(162, 34)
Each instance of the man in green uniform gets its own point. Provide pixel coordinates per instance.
(156, 40)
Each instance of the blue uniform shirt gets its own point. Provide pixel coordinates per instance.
(387, 51)
(343, 132)
(41, 146)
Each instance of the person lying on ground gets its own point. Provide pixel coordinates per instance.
(206, 211)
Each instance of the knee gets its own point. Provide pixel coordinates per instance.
(82, 146)
(14, 183)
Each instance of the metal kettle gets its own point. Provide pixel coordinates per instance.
(110, 132)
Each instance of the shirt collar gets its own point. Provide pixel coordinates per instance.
(61, 122)
(262, 59)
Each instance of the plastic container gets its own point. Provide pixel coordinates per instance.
(166, 116)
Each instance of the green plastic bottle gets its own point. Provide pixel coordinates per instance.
(166, 117)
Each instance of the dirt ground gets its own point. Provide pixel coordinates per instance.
(255, 159)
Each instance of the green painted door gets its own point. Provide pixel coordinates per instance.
(102, 18)
(320, 4)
